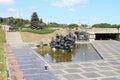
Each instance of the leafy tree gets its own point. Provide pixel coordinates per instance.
(102, 25)
(53, 24)
(41, 21)
(42, 25)
(84, 25)
(1, 20)
(19, 22)
(35, 21)
(72, 25)
(10, 21)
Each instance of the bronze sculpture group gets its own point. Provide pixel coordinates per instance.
(67, 42)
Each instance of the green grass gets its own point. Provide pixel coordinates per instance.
(2, 57)
(41, 31)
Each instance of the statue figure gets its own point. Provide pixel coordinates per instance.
(82, 35)
(63, 42)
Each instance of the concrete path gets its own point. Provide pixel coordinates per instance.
(14, 38)
(30, 62)
(107, 69)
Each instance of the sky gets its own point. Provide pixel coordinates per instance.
(64, 11)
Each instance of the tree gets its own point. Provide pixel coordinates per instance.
(102, 25)
(41, 21)
(73, 26)
(1, 20)
(53, 24)
(41, 24)
(35, 21)
(10, 21)
(19, 22)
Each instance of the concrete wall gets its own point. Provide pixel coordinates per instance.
(105, 30)
(5, 27)
(92, 36)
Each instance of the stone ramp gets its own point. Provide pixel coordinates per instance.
(14, 38)
(31, 64)
(106, 69)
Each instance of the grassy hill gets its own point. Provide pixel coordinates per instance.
(2, 57)
(32, 37)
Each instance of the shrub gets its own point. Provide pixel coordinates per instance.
(42, 31)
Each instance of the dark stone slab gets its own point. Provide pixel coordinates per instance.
(74, 65)
(102, 64)
(58, 72)
(114, 63)
(73, 70)
(72, 76)
(104, 68)
(108, 73)
(58, 67)
(91, 75)
(118, 71)
(88, 65)
(33, 71)
(117, 67)
(40, 77)
(29, 66)
(112, 78)
(89, 69)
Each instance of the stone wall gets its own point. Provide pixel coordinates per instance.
(105, 30)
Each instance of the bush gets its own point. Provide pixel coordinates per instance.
(2, 57)
(42, 31)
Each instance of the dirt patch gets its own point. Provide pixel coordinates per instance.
(32, 37)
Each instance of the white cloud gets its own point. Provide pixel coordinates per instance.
(72, 10)
(11, 9)
(68, 3)
(6, 1)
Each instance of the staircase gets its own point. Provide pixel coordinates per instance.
(14, 38)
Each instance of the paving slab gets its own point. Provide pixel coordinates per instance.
(111, 78)
(73, 70)
(106, 69)
(72, 76)
(91, 75)
(31, 64)
(108, 73)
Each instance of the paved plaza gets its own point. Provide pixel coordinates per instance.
(32, 64)
(106, 69)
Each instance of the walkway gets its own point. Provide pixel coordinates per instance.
(107, 69)
(14, 38)
(31, 64)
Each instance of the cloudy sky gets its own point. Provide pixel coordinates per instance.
(64, 11)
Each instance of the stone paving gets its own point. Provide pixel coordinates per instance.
(31, 64)
(106, 69)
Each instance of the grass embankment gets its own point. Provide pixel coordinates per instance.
(2, 57)
(33, 37)
(41, 31)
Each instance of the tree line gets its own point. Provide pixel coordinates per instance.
(15, 23)
(37, 23)
(106, 25)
